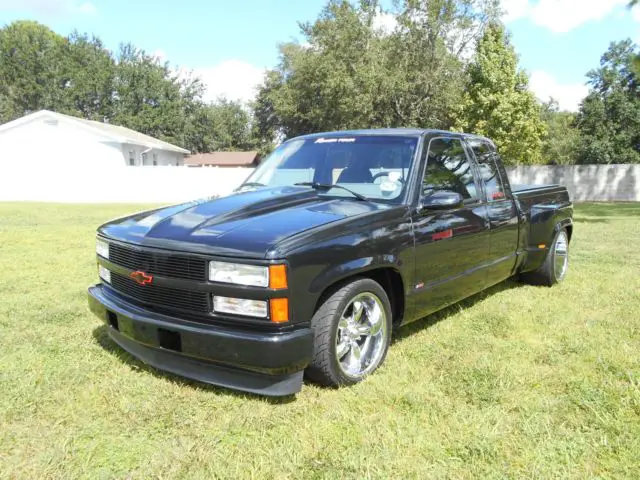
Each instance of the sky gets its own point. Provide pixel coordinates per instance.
(229, 44)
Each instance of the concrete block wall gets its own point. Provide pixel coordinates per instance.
(161, 184)
(22, 182)
(586, 183)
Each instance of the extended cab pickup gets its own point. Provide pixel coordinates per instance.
(332, 243)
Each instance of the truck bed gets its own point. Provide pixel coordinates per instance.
(546, 207)
(523, 191)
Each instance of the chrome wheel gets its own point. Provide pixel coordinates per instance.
(561, 255)
(362, 334)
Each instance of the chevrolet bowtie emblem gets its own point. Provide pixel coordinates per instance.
(141, 278)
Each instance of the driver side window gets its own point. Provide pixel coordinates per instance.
(449, 169)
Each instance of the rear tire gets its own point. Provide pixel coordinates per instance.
(351, 334)
(555, 266)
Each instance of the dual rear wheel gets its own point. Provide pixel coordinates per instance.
(555, 265)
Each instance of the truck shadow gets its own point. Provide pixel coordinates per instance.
(102, 338)
(430, 320)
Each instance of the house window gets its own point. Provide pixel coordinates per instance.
(132, 158)
(144, 158)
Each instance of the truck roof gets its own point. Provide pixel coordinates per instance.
(389, 131)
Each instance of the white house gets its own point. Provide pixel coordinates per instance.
(47, 140)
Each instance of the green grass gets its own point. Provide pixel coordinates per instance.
(519, 381)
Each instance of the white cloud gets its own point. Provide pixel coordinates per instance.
(385, 22)
(559, 16)
(45, 7)
(635, 13)
(88, 8)
(48, 8)
(233, 79)
(160, 54)
(515, 9)
(569, 95)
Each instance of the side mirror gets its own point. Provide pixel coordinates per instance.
(443, 200)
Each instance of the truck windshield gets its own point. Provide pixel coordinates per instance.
(375, 167)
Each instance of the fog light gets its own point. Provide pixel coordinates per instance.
(104, 274)
(240, 306)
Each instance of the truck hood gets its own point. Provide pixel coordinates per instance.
(248, 224)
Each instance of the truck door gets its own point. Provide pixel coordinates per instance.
(503, 215)
(451, 246)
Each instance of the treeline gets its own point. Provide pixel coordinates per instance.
(445, 64)
(79, 76)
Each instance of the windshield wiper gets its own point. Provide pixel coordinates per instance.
(328, 186)
(250, 184)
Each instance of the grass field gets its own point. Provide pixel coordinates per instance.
(519, 381)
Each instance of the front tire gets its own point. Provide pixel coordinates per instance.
(352, 331)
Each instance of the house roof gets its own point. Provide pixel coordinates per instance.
(115, 132)
(222, 159)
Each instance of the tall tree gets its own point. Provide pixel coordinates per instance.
(87, 75)
(561, 141)
(636, 60)
(427, 56)
(352, 74)
(498, 102)
(43, 70)
(266, 123)
(151, 98)
(77, 75)
(30, 62)
(222, 125)
(609, 117)
(332, 82)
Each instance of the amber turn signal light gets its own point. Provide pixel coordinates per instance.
(279, 310)
(278, 276)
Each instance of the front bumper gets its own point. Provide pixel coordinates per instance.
(267, 363)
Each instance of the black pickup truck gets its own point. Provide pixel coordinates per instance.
(332, 243)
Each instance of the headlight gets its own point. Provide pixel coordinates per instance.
(102, 248)
(104, 274)
(239, 274)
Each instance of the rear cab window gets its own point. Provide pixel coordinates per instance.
(488, 161)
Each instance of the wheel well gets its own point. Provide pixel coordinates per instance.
(569, 231)
(388, 278)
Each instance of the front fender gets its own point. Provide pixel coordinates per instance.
(337, 273)
(346, 250)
